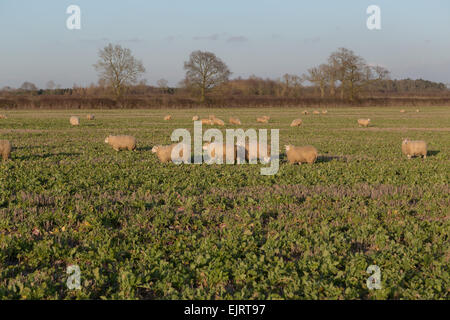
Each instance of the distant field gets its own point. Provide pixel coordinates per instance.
(139, 229)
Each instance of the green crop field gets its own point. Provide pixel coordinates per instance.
(139, 229)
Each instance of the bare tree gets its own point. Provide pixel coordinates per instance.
(205, 71)
(290, 84)
(163, 84)
(28, 86)
(118, 68)
(50, 85)
(318, 76)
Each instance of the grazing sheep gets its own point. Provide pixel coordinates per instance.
(402, 111)
(296, 123)
(218, 122)
(168, 117)
(305, 112)
(417, 110)
(90, 117)
(207, 121)
(121, 142)
(251, 154)
(2, 116)
(75, 121)
(324, 111)
(299, 155)
(262, 119)
(195, 118)
(164, 153)
(234, 120)
(316, 112)
(414, 148)
(363, 122)
(215, 150)
(5, 149)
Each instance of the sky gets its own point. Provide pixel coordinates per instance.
(266, 38)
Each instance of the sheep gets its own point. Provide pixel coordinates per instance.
(363, 122)
(316, 112)
(121, 142)
(299, 155)
(218, 122)
(324, 111)
(207, 121)
(417, 110)
(262, 119)
(402, 111)
(164, 153)
(5, 149)
(75, 121)
(296, 123)
(2, 116)
(195, 118)
(414, 148)
(168, 117)
(255, 153)
(305, 112)
(90, 117)
(215, 150)
(234, 120)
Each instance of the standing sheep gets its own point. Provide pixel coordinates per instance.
(195, 118)
(164, 153)
(414, 148)
(234, 120)
(299, 155)
(90, 117)
(324, 111)
(5, 149)
(296, 123)
(316, 112)
(168, 117)
(417, 110)
(402, 111)
(2, 116)
(363, 122)
(263, 119)
(75, 121)
(121, 142)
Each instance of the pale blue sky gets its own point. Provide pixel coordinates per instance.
(263, 37)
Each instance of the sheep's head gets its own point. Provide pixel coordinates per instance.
(156, 148)
(287, 147)
(107, 139)
(405, 141)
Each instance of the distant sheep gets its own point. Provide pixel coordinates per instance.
(316, 112)
(164, 153)
(262, 119)
(363, 122)
(90, 117)
(215, 150)
(235, 121)
(305, 112)
(195, 118)
(121, 142)
(168, 117)
(414, 148)
(417, 110)
(296, 123)
(402, 111)
(2, 116)
(207, 121)
(324, 111)
(5, 149)
(300, 155)
(75, 121)
(218, 122)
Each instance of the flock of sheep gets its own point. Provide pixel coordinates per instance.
(295, 154)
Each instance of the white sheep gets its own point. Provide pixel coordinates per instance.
(296, 123)
(235, 121)
(414, 148)
(75, 121)
(121, 142)
(299, 155)
(363, 122)
(5, 149)
(164, 153)
(195, 118)
(168, 117)
(316, 112)
(3, 116)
